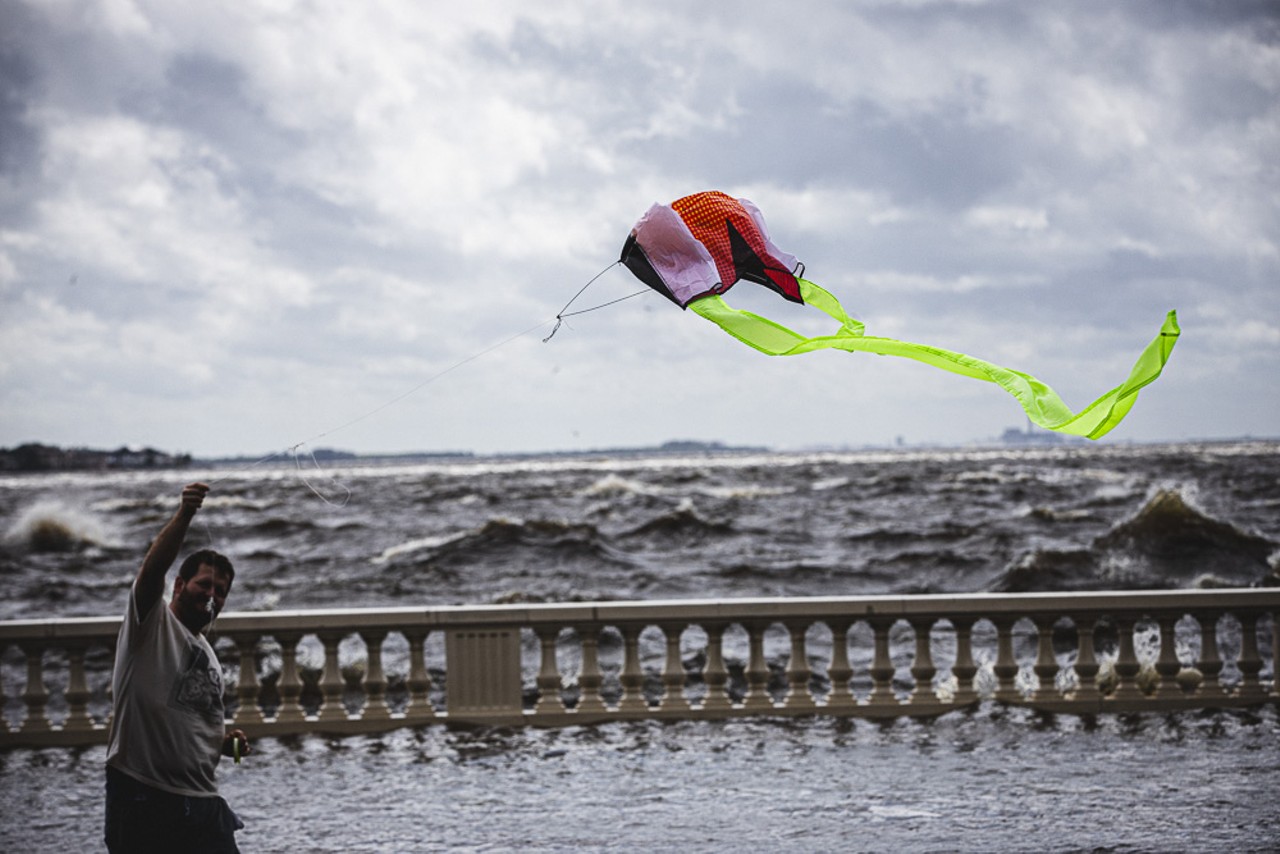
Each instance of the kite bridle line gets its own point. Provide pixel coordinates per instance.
(564, 312)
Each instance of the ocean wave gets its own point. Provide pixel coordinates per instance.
(1174, 538)
(1049, 570)
(264, 554)
(790, 572)
(683, 525)
(51, 526)
(746, 491)
(925, 563)
(503, 539)
(75, 591)
(278, 525)
(1167, 544)
(408, 548)
(281, 526)
(122, 505)
(1050, 514)
(614, 485)
(949, 531)
(874, 522)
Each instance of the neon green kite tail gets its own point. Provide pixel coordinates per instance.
(1041, 403)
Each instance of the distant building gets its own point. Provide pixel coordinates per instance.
(1033, 435)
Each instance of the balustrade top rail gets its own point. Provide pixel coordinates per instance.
(564, 663)
(659, 611)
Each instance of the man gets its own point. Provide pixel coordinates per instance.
(167, 724)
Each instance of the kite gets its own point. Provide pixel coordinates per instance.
(695, 249)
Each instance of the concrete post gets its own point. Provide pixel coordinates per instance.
(482, 677)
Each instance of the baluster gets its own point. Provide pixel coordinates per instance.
(1250, 661)
(716, 674)
(964, 669)
(331, 683)
(1046, 666)
(4, 699)
(922, 668)
(757, 673)
(419, 683)
(882, 665)
(1086, 666)
(247, 687)
(632, 677)
(1127, 665)
(36, 696)
(375, 680)
(841, 698)
(590, 679)
(549, 699)
(1210, 660)
(798, 694)
(78, 719)
(1167, 665)
(1006, 666)
(290, 682)
(1275, 655)
(673, 676)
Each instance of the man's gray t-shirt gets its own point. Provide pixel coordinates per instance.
(167, 724)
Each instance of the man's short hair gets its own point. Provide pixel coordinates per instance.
(217, 560)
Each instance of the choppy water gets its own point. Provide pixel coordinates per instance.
(666, 527)
(991, 780)
(1077, 518)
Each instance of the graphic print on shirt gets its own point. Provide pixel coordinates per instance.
(199, 686)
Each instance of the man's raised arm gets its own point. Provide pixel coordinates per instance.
(149, 586)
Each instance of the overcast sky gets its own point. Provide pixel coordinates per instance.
(233, 227)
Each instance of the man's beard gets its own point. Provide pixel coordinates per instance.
(196, 610)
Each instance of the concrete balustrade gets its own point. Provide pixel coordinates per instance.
(361, 671)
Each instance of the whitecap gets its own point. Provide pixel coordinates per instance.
(55, 526)
(895, 811)
(615, 485)
(412, 546)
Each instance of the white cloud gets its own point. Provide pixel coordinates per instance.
(148, 204)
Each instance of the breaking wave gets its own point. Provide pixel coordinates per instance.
(1167, 544)
(507, 539)
(682, 524)
(51, 526)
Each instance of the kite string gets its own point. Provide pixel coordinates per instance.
(393, 401)
(559, 319)
(297, 459)
(294, 448)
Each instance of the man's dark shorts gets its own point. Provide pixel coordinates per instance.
(146, 820)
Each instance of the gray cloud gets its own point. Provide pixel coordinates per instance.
(290, 221)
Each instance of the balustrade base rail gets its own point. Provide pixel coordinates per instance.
(561, 665)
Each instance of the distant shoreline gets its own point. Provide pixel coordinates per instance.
(35, 457)
(330, 455)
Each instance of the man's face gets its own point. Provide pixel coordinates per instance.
(191, 598)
